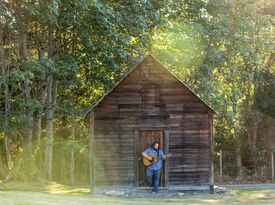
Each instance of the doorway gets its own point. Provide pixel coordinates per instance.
(145, 140)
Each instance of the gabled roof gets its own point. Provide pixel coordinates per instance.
(148, 56)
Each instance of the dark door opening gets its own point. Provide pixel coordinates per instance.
(146, 138)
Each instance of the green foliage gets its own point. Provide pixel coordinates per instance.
(222, 49)
(224, 52)
(265, 93)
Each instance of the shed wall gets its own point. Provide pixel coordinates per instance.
(151, 98)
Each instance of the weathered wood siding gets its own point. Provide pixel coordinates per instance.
(150, 97)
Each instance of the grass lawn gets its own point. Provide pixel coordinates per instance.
(59, 195)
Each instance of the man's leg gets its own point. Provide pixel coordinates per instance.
(156, 179)
(149, 175)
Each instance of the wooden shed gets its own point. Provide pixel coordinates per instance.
(150, 104)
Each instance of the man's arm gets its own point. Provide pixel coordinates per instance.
(162, 156)
(146, 156)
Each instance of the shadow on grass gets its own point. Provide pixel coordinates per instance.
(51, 187)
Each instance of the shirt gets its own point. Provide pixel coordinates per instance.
(158, 164)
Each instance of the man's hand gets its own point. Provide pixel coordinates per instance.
(147, 157)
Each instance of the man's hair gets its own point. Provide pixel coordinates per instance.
(154, 143)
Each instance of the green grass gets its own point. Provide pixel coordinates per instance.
(55, 194)
(240, 191)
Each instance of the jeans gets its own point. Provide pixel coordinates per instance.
(153, 177)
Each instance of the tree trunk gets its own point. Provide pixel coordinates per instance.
(8, 151)
(254, 143)
(38, 130)
(63, 166)
(238, 154)
(5, 73)
(270, 133)
(25, 169)
(52, 87)
(3, 170)
(49, 131)
(7, 108)
(29, 111)
(237, 144)
(29, 117)
(72, 161)
(42, 89)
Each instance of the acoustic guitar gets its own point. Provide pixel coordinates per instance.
(147, 162)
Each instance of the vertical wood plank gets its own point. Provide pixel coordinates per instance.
(92, 156)
(136, 157)
(166, 140)
(211, 153)
(272, 165)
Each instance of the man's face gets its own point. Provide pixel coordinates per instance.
(156, 146)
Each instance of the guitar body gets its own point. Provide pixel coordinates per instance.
(146, 162)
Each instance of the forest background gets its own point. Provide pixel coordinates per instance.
(58, 57)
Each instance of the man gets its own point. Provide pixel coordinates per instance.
(153, 171)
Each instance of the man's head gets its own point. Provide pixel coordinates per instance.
(155, 145)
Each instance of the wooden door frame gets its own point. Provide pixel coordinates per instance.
(166, 148)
